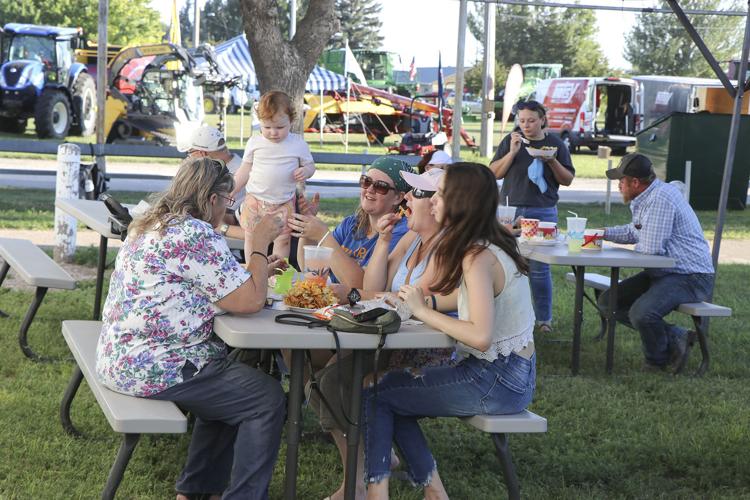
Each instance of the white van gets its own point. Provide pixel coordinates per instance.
(591, 111)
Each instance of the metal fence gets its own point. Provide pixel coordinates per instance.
(151, 151)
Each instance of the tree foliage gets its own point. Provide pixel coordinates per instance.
(658, 44)
(527, 35)
(281, 63)
(131, 22)
(360, 24)
(473, 77)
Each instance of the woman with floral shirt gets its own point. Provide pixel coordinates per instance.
(173, 274)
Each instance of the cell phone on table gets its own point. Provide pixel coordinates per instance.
(370, 314)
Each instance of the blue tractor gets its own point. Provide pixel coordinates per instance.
(41, 79)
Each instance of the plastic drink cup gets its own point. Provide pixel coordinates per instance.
(576, 227)
(284, 280)
(317, 262)
(547, 230)
(506, 214)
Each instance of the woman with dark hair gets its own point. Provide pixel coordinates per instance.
(173, 274)
(496, 373)
(531, 185)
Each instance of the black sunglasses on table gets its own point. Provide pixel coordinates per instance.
(381, 187)
(421, 194)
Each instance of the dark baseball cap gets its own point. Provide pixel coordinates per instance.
(632, 165)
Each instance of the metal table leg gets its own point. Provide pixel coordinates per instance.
(3, 273)
(577, 320)
(101, 263)
(294, 422)
(352, 437)
(611, 318)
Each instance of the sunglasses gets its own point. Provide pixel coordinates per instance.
(380, 187)
(421, 194)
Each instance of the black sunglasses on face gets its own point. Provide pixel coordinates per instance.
(421, 194)
(381, 187)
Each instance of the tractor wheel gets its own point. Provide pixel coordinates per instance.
(84, 105)
(13, 125)
(52, 115)
(209, 104)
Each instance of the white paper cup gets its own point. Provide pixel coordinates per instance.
(593, 239)
(547, 230)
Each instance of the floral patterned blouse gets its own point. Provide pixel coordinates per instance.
(160, 307)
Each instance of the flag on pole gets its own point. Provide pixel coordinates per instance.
(174, 28)
(441, 96)
(174, 36)
(352, 66)
(412, 70)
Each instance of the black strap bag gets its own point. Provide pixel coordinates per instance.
(383, 323)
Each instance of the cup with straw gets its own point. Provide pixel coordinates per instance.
(575, 227)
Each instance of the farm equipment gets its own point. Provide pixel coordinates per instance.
(379, 114)
(153, 92)
(41, 79)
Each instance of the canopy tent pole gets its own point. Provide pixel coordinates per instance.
(488, 82)
(459, 87)
(320, 116)
(734, 127)
(101, 84)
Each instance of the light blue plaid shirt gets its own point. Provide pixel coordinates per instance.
(665, 224)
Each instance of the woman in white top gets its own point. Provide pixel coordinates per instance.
(494, 334)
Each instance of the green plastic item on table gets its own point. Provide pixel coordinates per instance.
(284, 280)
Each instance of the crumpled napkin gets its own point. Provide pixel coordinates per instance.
(536, 174)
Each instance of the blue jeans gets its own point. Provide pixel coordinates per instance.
(644, 299)
(473, 386)
(540, 275)
(240, 413)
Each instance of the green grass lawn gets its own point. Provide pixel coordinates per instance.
(629, 435)
(34, 209)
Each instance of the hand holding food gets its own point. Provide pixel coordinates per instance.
(385, 224)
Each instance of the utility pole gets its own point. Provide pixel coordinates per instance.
(488, 82)
(459, 91)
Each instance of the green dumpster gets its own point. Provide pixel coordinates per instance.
(700, 138)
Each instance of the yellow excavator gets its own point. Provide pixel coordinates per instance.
(154, 91)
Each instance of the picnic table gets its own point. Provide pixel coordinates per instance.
(260, 331)
(95, 215)
(610, 256)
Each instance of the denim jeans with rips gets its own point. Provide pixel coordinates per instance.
(472, 387)
(239, 416)
(644, 299)
(540, 274)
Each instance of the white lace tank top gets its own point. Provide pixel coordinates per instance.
(514, 313)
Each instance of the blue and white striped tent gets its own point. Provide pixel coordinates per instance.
(233, 58)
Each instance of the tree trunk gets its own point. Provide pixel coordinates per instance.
(282, 64)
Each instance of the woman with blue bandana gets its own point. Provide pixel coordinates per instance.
(531, 185)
